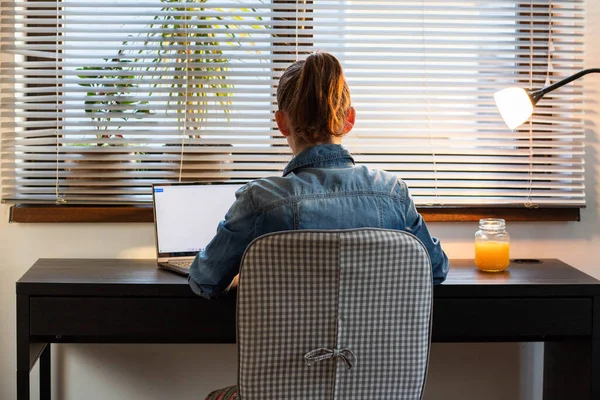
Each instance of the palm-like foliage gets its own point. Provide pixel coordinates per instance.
(113, 94)
(206, 66)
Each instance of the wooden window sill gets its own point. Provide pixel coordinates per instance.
(144, 213)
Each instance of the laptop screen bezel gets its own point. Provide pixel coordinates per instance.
(154, 185)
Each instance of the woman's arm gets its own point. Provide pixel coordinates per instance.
(417, 226)
(214, 268)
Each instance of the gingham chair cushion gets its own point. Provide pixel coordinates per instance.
(357, 298)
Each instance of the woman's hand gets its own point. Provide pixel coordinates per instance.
(233, 283)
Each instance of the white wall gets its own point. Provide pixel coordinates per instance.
(466, 371)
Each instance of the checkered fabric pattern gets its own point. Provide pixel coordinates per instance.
(366, 293)
(385, 307)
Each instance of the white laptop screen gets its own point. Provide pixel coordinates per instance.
(186, 215)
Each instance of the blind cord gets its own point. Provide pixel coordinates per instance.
(185, 96)
(428, 107)
(59, 199)
(550, 67)
(529, 203)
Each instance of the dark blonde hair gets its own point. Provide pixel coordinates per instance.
(315, 96)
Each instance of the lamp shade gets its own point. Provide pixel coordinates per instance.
(514, 105)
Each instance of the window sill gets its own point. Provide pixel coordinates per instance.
(144, 213)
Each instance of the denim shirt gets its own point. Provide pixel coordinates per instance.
(321, 188)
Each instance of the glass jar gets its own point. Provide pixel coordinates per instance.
(492, 245)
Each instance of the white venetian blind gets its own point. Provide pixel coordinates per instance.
(105, 97)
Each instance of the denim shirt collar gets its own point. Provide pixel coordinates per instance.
(331, 155)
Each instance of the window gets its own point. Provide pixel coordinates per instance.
(109, 97)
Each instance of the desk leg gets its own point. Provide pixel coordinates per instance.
(567, 370)
(23, 361)
(596, 369)
(45, 374)
(596, 350)
(22, 385)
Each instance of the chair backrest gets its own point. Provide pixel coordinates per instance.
(340, 314)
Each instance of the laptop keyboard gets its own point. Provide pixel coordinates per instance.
(181, 264)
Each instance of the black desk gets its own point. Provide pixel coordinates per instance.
(130, 301)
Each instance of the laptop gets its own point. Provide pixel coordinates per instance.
(186, 216)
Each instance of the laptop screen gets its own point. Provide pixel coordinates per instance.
(186, 215)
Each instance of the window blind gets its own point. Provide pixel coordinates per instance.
(104, 98)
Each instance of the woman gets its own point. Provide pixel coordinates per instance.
(321, 187)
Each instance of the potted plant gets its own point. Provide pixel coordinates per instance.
(206, 70)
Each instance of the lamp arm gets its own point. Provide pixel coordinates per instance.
(536, 95)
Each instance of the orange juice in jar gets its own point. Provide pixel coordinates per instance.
(492, 245)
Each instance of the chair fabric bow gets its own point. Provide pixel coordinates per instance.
(321, 354)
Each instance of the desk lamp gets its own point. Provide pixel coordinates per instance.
(516, 104)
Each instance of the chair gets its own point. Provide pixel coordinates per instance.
(328, 315)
